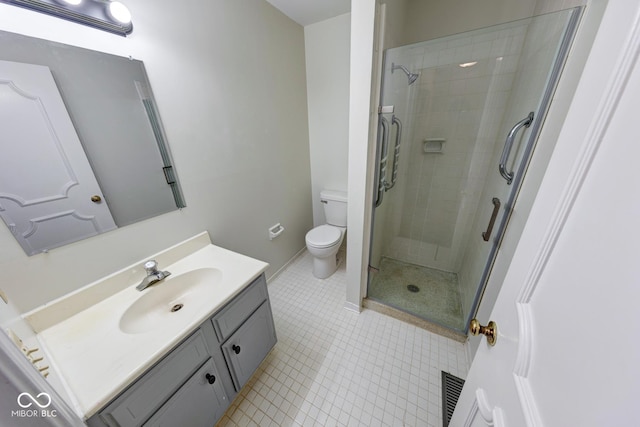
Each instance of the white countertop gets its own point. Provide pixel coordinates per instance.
(96, 360)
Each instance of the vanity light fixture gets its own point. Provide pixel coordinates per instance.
(106, 15)
(119, 12)
(468, 64)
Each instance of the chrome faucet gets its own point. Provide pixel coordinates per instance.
(153, 275)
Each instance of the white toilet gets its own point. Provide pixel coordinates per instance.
(324, 241)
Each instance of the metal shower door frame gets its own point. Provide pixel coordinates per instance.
(518, 176)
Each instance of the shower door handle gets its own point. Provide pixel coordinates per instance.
(496, 208)
(382, 165)
(396, 153)
(526, 122)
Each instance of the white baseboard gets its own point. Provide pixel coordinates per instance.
(286, 265)
(352, 307)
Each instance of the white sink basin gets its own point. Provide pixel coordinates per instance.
(172, 300)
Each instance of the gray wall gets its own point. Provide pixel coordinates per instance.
(229, 80)
(327, 60)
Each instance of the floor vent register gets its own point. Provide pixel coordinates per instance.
(451, 388)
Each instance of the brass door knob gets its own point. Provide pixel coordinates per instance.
(490, 331)
(96, 199)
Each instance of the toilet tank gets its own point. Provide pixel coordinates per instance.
(335, 207)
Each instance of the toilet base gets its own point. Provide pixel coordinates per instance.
(324, 267)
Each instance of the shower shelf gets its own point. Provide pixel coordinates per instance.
(433, 145)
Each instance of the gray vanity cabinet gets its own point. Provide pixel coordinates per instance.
(185, 408)
(246, 331)
(153, 389)
(194, 383)
(249, 345)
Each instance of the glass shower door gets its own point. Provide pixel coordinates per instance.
(472, 106)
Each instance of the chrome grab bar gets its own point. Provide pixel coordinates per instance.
(382, 170)
(396, 153)
(496, 207)
(526, 122)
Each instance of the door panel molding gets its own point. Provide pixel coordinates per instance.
(580, 169)
(41, 229)
(20, 201)
(51, 204)
(37, 222)
(47, 140)
(489, 415)
(599, 112)
(578, 174)
(522, 365)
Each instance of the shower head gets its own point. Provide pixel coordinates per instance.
(411, 76)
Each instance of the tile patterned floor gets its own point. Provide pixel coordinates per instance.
(333, 367)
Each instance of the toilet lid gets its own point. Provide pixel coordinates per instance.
(323, 236)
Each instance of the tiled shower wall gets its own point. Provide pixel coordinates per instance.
(464, 106)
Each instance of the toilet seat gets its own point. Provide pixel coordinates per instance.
(323, 236)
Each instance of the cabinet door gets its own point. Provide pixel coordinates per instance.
(247, 348)
(200, 402)
(146, 395)
(233, 314)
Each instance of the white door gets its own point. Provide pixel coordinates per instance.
(48, 193)
(568, 348)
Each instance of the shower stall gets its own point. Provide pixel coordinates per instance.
(459, 119)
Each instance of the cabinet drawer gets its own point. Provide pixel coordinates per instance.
(198, 403)
(146, 395)
(249, 345)
(240, 308)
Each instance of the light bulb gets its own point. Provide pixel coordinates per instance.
(119, 12)
(72, 2)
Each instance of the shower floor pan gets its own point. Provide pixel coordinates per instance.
(424, 292)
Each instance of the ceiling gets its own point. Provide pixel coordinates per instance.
(306, 12)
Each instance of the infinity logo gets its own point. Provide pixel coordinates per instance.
(33, 400)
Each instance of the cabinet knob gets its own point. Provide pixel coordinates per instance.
(210, 378)
(236, 349)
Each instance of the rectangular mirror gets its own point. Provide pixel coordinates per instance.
(83, 148)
